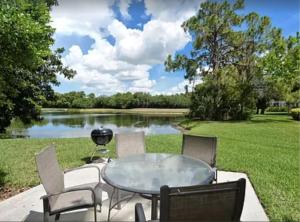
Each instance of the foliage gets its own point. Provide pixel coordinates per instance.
(295, 113)
(227, 54)
(249, 146)
(118, 101)
(208, 103)
(277, 109)
(280, 71)
(28, 67)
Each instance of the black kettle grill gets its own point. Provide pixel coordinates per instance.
(101, 137)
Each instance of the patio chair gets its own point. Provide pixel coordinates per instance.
(202, 148)
(58, 198)
(130, 144)
(214, 202)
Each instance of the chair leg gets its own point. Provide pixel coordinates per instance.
(110, 203)
(95, 212)
(46, 210)
(46, 217)
(57, 216)
(100, 208)
(118, 200)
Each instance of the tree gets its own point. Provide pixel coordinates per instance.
(280, 69)
(28, 67)
(225, 50)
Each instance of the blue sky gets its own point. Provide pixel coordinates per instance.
(121, 45)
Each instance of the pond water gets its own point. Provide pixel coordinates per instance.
(66, 125)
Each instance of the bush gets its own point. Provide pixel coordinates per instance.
(277, 109)
(295, 113)
(220, 101)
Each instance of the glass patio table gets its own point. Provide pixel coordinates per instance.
(146, 173)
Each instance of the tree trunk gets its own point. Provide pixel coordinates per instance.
(242, 112)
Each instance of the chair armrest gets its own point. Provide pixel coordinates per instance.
(84, 167)
(139, 213)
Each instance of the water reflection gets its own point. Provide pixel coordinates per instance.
(65, 125)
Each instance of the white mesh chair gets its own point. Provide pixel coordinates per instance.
(130, 143)
(59, 199)
(202, 148)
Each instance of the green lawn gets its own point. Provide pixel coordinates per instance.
(266, 148)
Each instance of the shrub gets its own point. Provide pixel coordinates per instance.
(295, 113)
(277, 109)
(212, 100)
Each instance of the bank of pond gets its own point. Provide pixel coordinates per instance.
(59, 123)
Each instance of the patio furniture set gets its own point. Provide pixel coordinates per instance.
(185, 185)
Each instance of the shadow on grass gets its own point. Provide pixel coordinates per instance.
(189, 124)
(277, 113)
(2, 177)
(95, 159)
(264, 118)
(288, 218)
(255, 121)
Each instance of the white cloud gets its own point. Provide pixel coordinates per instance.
(124, 66)
(150, 46)
(81, 17)
(124, 6)
(74, 56)
(107, 76)
(180, 87)
(170, 10)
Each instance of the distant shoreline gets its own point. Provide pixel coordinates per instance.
(143, 111)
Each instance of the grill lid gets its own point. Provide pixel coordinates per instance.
(101, 136)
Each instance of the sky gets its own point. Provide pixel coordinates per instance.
(121, 45)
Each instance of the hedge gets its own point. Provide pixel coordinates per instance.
(295, 113)
(277, 109)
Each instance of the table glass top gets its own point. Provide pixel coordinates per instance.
(146, 173)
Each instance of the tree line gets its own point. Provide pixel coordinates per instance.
(117, 101)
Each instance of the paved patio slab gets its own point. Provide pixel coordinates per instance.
(27, 206)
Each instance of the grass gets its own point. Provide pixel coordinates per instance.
(17, 155)
(144, 111)
(266, 148)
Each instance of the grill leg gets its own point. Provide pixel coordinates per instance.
(91, 159)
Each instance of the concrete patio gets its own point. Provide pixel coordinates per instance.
(27, 206)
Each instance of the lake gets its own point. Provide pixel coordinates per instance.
(69, 125)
